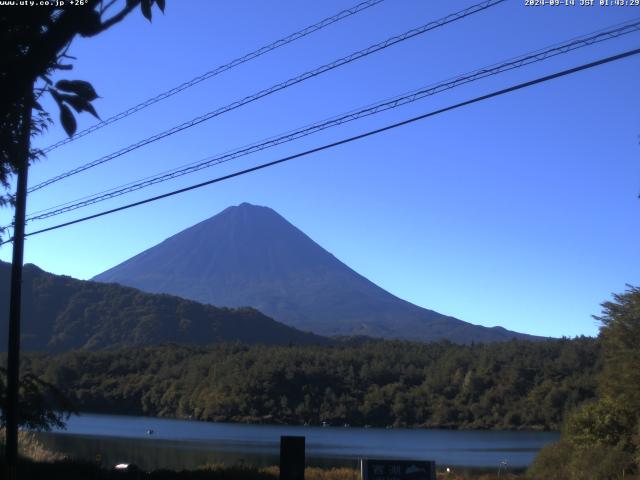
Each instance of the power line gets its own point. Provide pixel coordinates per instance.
(344, 141)
(608, 33)
(495, 69)
(221, 69)
(275, 88)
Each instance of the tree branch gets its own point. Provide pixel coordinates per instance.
(117, 18)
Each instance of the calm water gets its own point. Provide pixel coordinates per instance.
(180, 444)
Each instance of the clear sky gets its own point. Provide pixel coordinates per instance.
(520, 211)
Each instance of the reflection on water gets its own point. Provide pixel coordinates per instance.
(182, 444)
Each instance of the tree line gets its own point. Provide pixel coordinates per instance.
(512, 385)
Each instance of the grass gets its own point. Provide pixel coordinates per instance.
(74, 470)
(30, 448)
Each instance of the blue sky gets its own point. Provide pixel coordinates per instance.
(520, 211)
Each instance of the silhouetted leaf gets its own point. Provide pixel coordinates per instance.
(161, 5)
(89, 108)
(145, 5)
(68, 121)
(91, 24)
(79, 104)
(56, 96)
(79, 87)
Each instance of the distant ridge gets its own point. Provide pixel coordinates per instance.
(249, 255)
(61, 313)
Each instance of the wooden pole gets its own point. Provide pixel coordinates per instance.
(13, 356)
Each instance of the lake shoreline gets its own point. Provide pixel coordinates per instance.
(247, 420)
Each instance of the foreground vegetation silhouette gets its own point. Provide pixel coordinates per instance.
(601, 438)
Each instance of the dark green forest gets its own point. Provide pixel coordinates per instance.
(512, 385)
(61, 313)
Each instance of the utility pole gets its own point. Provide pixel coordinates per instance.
(13, 357)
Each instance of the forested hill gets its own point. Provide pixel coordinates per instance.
(510, 385)
(61, 313)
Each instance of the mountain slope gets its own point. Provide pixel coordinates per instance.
(61, 313)
(251, 256)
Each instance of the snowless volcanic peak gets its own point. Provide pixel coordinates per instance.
(249, 255)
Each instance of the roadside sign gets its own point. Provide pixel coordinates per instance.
(397, 470)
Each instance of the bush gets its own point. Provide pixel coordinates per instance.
(552, 463)
(565, 461)
(602, 422)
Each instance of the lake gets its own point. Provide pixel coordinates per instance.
(182, 444)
